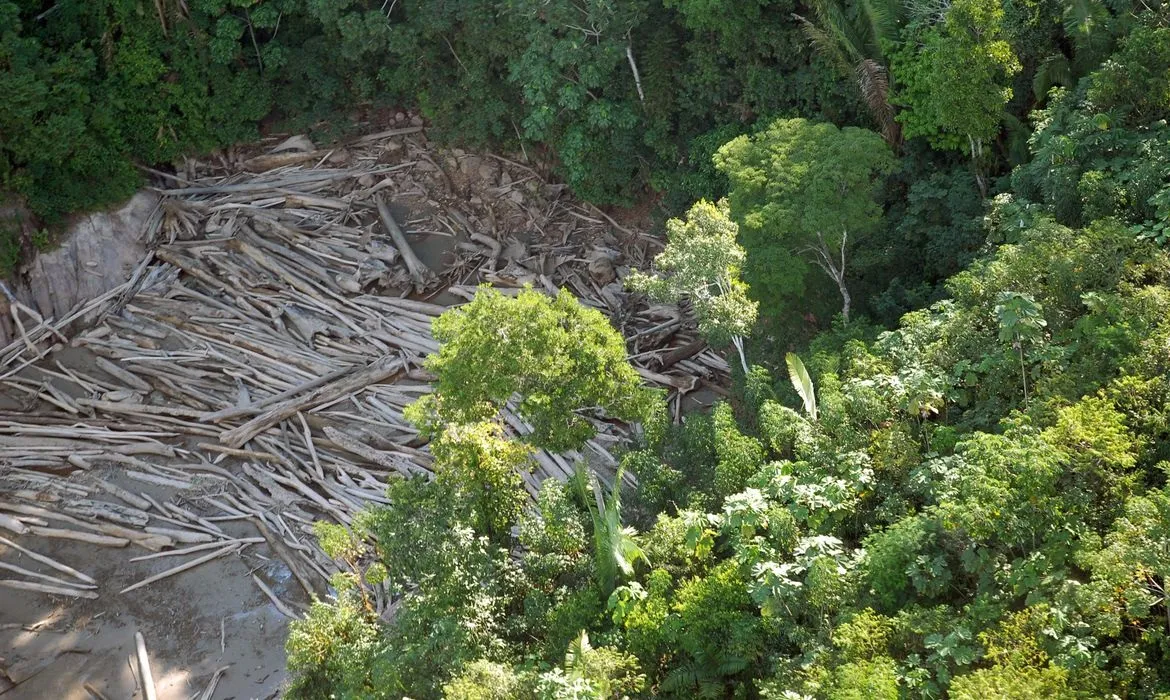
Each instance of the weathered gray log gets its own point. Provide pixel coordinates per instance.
(374, 373)
(418, 271)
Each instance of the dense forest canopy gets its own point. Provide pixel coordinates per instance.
(933, 235)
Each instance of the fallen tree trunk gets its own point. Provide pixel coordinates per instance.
(374, 373)
(418, 271)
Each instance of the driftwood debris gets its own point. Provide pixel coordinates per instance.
(257, 365)
(418, 271)
(145, 676)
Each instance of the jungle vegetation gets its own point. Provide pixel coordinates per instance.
(932, 235)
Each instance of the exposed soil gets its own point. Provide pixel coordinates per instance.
(194, 623)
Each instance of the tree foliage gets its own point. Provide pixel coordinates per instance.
(702, 263)
(561, 358)
(802, 192)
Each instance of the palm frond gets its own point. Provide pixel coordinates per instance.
(883, 17)
(874, 83)
(824, 43)
(802, 382)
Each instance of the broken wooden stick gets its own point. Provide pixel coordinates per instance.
(43, 588)
(149, 692)
(48, 562)
(44, 577)
(12, 524)
(284, 609)
(199, 548)
(180, 568)
(89, 538)
(210, 690)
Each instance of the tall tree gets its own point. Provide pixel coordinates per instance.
(702, 262)
(802, 192)
(955, 74)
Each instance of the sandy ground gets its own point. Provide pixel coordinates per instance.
(194, 623)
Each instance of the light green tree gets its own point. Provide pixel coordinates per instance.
(482, 468)
(702, 262)
(802, 192)
(955, 75)
(562, 360)
(1021, 320)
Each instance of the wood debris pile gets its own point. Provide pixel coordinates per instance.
(256, 366)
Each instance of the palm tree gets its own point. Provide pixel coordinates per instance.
(851, 38)
(615, 549)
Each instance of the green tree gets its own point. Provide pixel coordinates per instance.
(800, 191)
(955, 72)
(482, 467)
(702, 262)
(1020, 320)
(562, 359)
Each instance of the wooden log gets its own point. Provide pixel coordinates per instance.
(284, 609)
(44, 588)
(259, 406)
(87, 537)
(683, 353)
(183, 536)
(139, 408)
(290, 560)
(683, 384)
(418, 271)
(126, 377)
(146, 677)
(12, 524)
(101, 510)
(119, 492)
(374, 373)
(199, 548)
(387, 460)
(48, 561)
(180, 568)
(44, 577)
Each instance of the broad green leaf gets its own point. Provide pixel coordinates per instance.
(802, 382)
